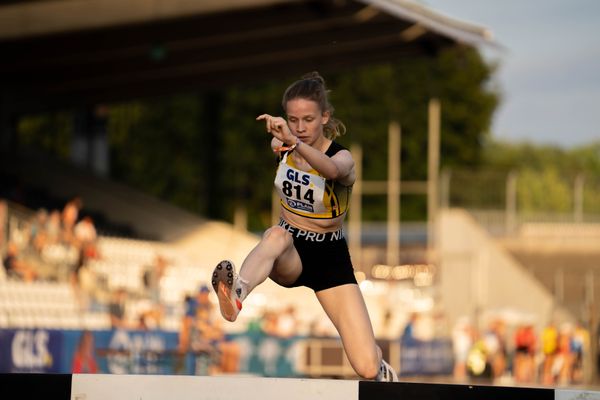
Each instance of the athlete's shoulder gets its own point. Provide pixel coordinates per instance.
(334, 148)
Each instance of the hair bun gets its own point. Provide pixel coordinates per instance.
(314, 76)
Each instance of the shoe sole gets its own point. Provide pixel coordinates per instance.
(222, 283)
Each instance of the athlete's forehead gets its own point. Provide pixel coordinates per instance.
(300, 108)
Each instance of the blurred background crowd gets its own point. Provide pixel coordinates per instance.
(62, 248)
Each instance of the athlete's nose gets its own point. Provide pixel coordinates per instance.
(301, 127)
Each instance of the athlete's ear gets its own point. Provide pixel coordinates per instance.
(325, 117)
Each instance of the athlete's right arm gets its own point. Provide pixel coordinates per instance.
(275, 144)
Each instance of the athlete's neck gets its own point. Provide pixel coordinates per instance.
(321, 144)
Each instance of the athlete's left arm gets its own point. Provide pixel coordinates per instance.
(339, 168)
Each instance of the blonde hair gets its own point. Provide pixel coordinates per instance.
(312, 87)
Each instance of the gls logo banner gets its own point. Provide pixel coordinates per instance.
(32, 350)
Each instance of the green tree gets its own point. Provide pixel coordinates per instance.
(246, 157)
(49, 132)
(543, 191)
(547, 174)
(156, 146)
(206, 152)
(368, 98)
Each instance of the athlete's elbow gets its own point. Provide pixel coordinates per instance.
(338, 174)
(343, 172)
(334, 175)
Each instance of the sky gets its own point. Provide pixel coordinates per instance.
(549, 69)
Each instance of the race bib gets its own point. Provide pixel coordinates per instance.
(300, 191)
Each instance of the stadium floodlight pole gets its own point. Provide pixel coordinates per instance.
(445, 177)
(393, 195)
(433, 167)
(511, 203)
(589, 288)
(559, 287)
(592, 323)
(578, 198)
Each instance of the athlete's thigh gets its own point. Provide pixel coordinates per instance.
(287, 266)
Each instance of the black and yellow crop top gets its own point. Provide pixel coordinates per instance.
(308, 193)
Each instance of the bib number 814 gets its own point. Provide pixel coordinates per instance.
(296, 191)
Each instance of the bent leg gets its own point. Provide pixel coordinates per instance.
(274, 257)
(346, 308)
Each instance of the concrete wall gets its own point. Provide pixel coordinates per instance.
(477, 276)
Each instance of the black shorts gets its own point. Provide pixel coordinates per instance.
(325, 258)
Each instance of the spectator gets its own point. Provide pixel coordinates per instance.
(462, 340)
(269, 323)
(192, 304)
(75, 280)
(208, 337)
(85, 240)
(86, 236)
(525, 347)
(84, 360)
(495, 342)
(70, 214)
(287, 323)
(15, 267)
(186, 323)
(142, 321)
(116, 309)
(563, 361)
(39, 237)
(53, 228)
(549, 349)
(580, 346)
(479, 364)
(151, 280)
(408, 334)
(203, 334)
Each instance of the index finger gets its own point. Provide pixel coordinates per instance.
(263, 116)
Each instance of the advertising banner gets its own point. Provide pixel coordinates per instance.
(139, 352)
(31, 350)
(433, 357)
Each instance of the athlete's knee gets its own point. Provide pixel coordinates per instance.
(278, 236)
(367, 367)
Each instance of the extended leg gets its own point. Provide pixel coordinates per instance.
(346, 308)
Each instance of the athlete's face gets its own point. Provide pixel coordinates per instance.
(306, 119)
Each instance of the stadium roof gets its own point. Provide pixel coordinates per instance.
(70, 52)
